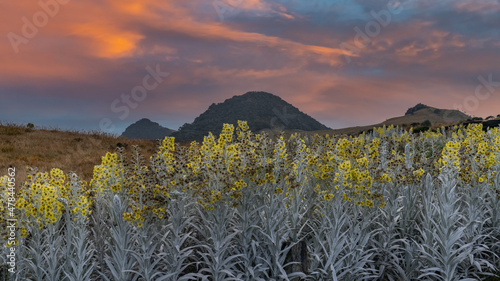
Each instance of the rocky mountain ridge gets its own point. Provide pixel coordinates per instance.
(261, 110)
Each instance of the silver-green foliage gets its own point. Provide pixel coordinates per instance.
(120, 261)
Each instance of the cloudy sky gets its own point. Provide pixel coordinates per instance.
(105, 64)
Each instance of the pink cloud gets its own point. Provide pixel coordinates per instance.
(477, 6)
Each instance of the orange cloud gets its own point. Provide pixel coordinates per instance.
(132, 7)
(108, 41)
(250, 5)
(227, 75)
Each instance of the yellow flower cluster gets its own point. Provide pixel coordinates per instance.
(220, 177)
(81, 205)
(474, 153)
(40, 198)
(450, 156)
(344, 166)
(166, 151)
(109, 174)
(418, 173)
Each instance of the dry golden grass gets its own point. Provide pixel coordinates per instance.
(70, 151)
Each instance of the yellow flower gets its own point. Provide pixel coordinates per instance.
(328, 196)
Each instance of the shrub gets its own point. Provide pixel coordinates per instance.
(12, 131)
(420, 129)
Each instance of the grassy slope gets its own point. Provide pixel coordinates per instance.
(70, 151)
(444, 117)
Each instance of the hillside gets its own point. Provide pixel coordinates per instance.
(262, 111)
(146, 129)
(421, 113)
(413, 117)
(67, 150)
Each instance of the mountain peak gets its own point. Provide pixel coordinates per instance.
(146, 129)
(262, 110)
(259, 94)
(145, 120)
(416, 108)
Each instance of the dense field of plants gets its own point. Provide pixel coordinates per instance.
(387, 205)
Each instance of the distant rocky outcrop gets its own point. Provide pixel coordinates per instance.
(261, 110)
(416, 108)
(420, 117)
(146, 129)
(421, 113)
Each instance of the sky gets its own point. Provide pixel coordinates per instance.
(102, 65)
